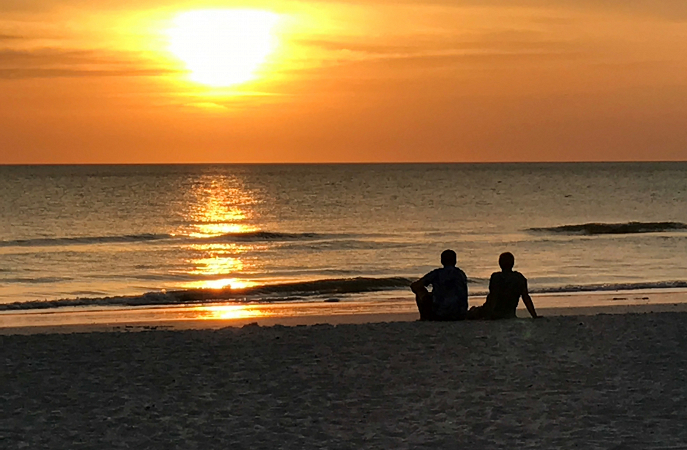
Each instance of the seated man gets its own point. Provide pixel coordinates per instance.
(505, 289)
(449, 297)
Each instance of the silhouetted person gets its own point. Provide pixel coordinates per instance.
(505, 289)
(449, 297)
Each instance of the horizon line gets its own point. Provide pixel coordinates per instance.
(314, 163)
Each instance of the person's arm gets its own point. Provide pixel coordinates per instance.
(489, 301)
(530, 306)
(465, 284)
(417, 286)
(527, 300)
(422, 283)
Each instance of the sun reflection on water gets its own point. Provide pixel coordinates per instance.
(221, 207)
(205, 230)
(216, 264)
(223, 283)
(227, 312)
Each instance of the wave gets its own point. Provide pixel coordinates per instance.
(592, 229)
(612, 287)
(81, 240)
(313, 290)
(266, 293)
(341, 243)
(38, 280)
(264, 236)
(147, 237)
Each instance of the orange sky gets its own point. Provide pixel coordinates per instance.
(358, 80)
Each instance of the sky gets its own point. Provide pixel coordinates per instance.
(152, 81)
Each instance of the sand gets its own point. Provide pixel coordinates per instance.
(602, 381)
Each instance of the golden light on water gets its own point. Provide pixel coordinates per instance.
(220, 206)
(224, 283)
(217, 264)
(205, 230)
(224, 312)
(223, 47)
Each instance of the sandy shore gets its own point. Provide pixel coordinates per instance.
(603, 381)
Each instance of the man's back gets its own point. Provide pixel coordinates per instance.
(505, 289)
(449, 292)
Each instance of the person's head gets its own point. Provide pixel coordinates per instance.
(448, 258)
(506, 261)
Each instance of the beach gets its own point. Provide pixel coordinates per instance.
(577, 381)
(215, 217)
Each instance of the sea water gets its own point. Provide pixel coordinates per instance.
(271, 233)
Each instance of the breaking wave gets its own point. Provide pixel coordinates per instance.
(266, 293)
(84, 240)
(317, 290)
(612, 287)
(265, 236)
(592, 229)
(147, 237)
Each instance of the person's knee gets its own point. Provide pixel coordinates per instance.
(418, 289)
(475, 313)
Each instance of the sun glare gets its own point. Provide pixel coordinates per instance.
(223, 47)
(231, 283)
(224, 312)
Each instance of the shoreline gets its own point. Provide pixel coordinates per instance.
(221, 315)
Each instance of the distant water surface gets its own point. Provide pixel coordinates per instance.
(285, 232)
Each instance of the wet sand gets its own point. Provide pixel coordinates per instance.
(600, 381)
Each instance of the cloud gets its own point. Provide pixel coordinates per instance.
(497, 43)
(46, 56)
(208, 106)
(57, 63)
(14, 74)
(671, 10)
(10, 37)
(492, 59)
(507, 45)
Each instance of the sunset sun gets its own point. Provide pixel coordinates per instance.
(223, 47)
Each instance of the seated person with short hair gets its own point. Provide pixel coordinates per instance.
(505, 289)
(449, 297)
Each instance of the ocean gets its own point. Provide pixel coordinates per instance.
(176, 234)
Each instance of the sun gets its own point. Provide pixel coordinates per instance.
(223, 47)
